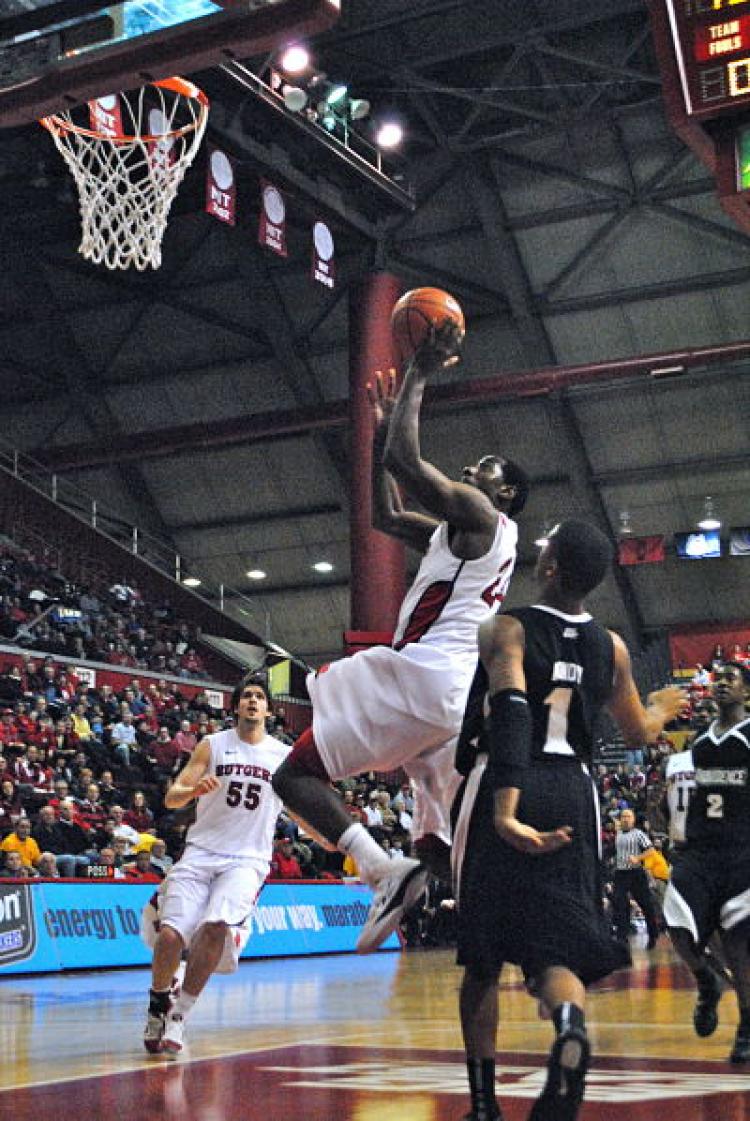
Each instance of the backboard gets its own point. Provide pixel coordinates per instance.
(59, 53)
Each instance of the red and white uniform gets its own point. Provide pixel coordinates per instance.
(383, 707)
(229, 846)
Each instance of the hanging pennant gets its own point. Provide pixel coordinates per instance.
(272, 224)
(323, 267)
(221, 188)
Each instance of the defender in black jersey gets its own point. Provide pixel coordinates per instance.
(710, 886)
(526, 835)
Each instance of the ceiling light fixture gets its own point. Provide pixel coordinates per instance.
(389, 134)
(192, 582)
(256, 574)
(323, 566)
(709, 519)
(295, 59)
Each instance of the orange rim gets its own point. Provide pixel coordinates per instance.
(56, 124)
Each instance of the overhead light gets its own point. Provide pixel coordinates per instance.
(625, 527)
(256, 574)
(359, 108)
(295, 59)
(543, 540)
(336, 95)
(328, 121)
(295, 98)
(389, 134)
(323, 566)
(192, 582)
(709, 519)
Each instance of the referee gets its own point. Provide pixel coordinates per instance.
(631, 846)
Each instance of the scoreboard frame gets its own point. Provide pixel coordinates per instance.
(711, 42)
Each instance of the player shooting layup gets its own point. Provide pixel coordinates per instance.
(391, 706)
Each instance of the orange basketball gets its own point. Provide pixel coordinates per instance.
(417, 312)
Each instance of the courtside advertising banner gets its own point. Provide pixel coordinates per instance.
(47, 926)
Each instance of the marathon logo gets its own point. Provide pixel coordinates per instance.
(248, 770)
(17, 926)
(721, 776)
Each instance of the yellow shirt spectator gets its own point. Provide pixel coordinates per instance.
(81, 727)
(21, 842)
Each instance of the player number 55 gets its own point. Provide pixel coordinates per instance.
(252, 795)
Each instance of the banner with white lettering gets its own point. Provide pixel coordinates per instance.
(221, 189)
(323, 268)
(105, 115)
(272, 223)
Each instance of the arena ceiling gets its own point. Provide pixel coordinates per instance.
(552, 198)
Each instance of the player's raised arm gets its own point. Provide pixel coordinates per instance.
(463, 506)
(640, 724)
(389, 514)
(193, 780)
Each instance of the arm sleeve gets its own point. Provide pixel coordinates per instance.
(509, 737)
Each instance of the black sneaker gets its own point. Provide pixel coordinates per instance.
(705, 1013)
(562, 1095)
(495, 1116)
(741, 1050)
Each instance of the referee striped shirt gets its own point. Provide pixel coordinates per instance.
(627, 844)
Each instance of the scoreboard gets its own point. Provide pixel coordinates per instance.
(711, 41)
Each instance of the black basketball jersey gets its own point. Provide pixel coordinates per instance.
(569, 668)
(719, 809)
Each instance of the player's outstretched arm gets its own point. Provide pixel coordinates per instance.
(389, 514)
(501, 648)
(640, 723)
(463, 506)
(193, 780)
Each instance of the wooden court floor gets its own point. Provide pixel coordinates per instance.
(366, 1039)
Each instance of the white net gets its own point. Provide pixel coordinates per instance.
(127, 181)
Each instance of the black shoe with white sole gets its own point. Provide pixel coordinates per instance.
(398, 891)
(562, 1095)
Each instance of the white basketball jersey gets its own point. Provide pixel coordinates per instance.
(450, 597)
(679, 777)
(239, 817)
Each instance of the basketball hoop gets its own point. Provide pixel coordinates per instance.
(128, 175)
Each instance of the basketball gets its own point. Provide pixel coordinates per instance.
(417, 312)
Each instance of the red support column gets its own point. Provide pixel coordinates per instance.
(377, 561)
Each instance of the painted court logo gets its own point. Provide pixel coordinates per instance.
(17, 926)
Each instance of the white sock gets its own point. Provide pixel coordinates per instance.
(183, 1004)
(372, 863)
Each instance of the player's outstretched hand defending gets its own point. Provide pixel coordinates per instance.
(382, 394)
(206, 785)
(529, 840)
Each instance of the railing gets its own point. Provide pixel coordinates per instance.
(148, 547)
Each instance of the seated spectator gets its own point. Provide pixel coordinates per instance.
(10, 807)
(142, 868)
(106, 858)
(92, 813)
(160, 858)
(122, 829)
(21, 841)
(372, 811)
(388, 816)
(355, 806)
(76, 844)
(284, 864)
(47, 866)
(185, 740)
(166, 753)
(14, 867)
(139, 816)
(123, 738)
(10, 733)
(81, 725)
(108, 792)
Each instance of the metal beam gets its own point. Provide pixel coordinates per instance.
(191, 439)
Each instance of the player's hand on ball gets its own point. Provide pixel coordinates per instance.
(440, 349)
(206, 785)
(529, 840)
(382, 394)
